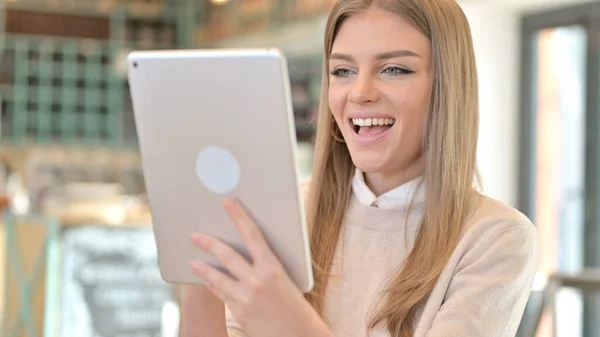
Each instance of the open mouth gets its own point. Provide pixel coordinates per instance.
(371, 126)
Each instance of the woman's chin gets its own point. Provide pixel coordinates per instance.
(368, 163)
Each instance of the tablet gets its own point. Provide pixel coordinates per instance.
(216, 123)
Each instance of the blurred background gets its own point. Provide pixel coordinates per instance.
(77, 253)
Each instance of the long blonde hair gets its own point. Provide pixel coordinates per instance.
(449, 151)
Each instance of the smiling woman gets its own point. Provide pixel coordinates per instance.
(387, 76)
(402, 243)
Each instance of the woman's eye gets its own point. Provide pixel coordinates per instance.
(395, 71)
(341, 72)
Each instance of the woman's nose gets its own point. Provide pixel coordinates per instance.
(364, 90)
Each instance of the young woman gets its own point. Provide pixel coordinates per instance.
(402, 243)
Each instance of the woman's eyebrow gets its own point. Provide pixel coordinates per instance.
(382, 56)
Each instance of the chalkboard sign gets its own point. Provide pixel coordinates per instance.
(111, 284)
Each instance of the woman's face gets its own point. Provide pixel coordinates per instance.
(380, 86)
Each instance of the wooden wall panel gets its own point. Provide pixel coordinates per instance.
(51, 24)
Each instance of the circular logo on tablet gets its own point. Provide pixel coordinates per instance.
(218, 169)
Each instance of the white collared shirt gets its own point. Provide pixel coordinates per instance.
(399, 197)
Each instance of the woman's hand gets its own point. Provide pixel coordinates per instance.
(260, 294)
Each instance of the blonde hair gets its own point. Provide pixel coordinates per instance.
(449, 151)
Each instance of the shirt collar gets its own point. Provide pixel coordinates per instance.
(399, 197)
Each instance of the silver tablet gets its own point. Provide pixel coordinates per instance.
(216, 123)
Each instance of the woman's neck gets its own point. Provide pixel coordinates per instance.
(382, 182)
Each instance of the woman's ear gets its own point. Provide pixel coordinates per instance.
(304, 188)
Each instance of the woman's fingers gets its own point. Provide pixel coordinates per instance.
(218, 283)
(253, 237)
(229, 258)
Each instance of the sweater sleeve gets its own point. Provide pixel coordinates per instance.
(491, 285)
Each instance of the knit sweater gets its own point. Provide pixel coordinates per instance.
(482, 292)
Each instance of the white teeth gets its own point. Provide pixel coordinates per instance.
(372, 121)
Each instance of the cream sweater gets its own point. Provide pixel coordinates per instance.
(482, 291)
